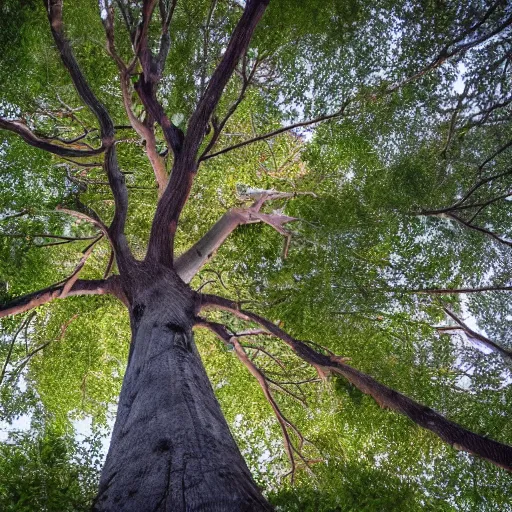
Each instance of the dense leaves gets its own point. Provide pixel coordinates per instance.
(404, 192)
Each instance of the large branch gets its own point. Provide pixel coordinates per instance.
(170, 206)
(191, 261)
(80, 287)
(114, 175)
(145, 131)
(237, 47)
(455, 435)
(39, 142)
(152, 69)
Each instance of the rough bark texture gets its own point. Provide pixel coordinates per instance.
(171, 447)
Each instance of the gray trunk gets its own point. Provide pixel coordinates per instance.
(171, 447)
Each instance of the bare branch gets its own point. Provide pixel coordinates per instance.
(237, 46)
(47, 235)
(449, 291)
(72, 279)
(472, 334)
(217, 128)
(485, 231)
(190, 262)
(279, 131)
(82, 216)
(20, 128)
(152, 72)
(80, 287)
(21, 364)
(145, 131)
(15, 215)
(455, 435)
(222, 333)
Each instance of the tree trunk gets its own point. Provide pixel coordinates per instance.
(171, 447)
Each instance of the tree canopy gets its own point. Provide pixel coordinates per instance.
(349, 186)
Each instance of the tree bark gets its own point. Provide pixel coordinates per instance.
(171, 447)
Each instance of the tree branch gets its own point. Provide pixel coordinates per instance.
(145, 131)
(455, 435)
(472, 334)
(231, 341)
(110, 165)
(148, 80)
(217, 128)
(238, 44)
(21, 364)
(80, 287)
(448, 291)
(485, 231)
(269, 135)
(72, 279)
(453, 48)
(190, 262)
(21, 129)
(23, 324)
(170, 206)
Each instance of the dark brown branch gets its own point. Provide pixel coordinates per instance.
(237, 47)
(80, 287)
(485, 231)
(39, 142)
(47, 235)
(453, 48)
(54, 9)
(15, 215)
(480, 183)
(472, 334)
(21, 364)
(449, 291)
(217, 128)
(455, 435)
(165, 39)
(269, 135)
(110, 264)
(72, 279)
(170, 206)
(110, 165)
(149, 78)
(145, 131)
(22, 326)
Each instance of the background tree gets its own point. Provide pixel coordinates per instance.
(398, 207)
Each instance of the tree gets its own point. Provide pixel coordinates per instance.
(176, 99)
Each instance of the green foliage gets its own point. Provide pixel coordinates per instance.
(361, 248)
(58, 473)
